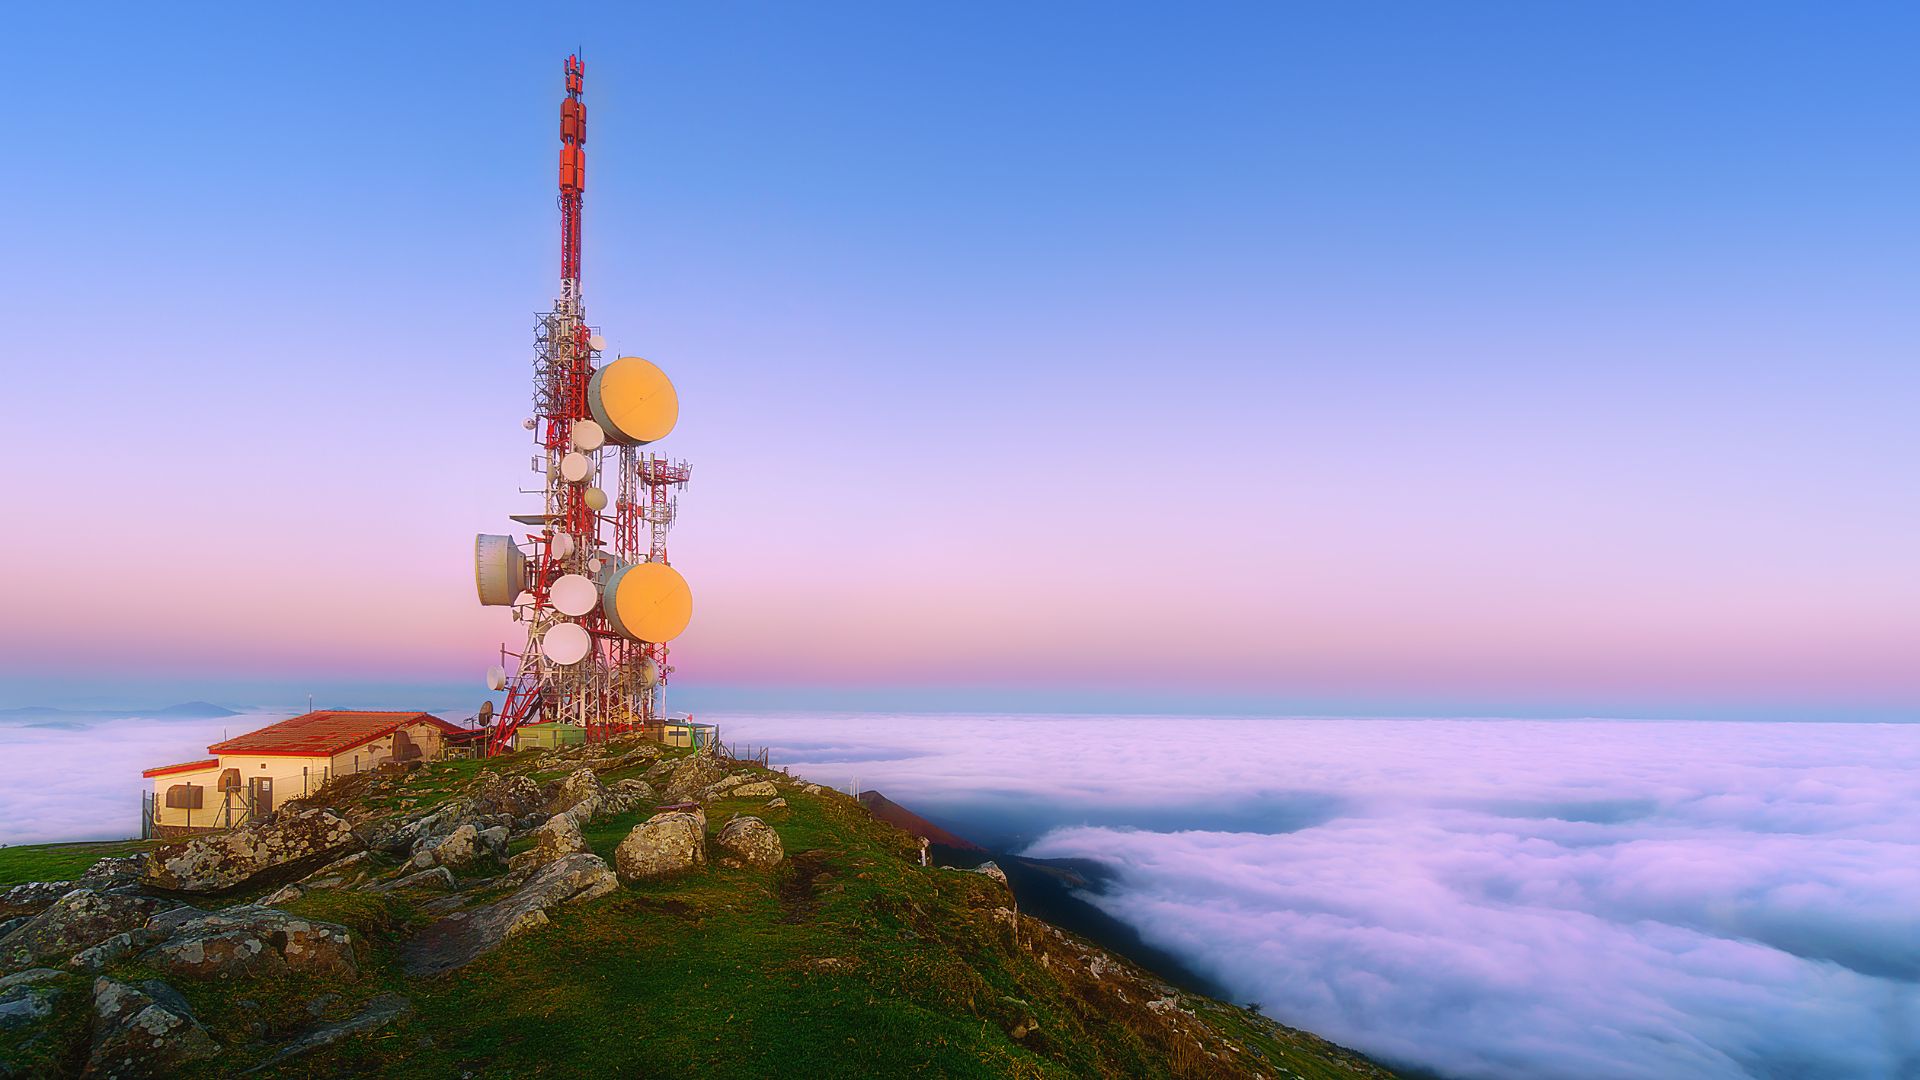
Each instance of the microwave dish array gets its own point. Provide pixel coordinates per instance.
(590, 580)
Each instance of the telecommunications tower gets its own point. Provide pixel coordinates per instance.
(589, 579)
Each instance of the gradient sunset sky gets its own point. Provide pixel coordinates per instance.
(1486, 358)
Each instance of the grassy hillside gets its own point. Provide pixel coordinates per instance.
(849, 960)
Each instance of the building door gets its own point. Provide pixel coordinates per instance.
(262, 792)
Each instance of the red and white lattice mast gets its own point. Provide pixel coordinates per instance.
(599, 604)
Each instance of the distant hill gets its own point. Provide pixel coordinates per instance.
(198, 710)
(44, 715)
(909, 822)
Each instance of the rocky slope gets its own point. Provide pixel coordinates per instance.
(610, 912)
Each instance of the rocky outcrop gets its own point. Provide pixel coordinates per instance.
(464, 936)
(557, 839)
(31, 898)
(247, 942)
(226, 860)
(27, 999)
(506, 796)
(759, 789)
(687, 778)
(77, 920)
(439, 879)
(992, 870)
(569, 791)
(668, 843)
(143, 1031)
(752, 841)
(635, 792)
(776, 804)
(375, 1014)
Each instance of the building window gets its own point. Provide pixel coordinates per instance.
(184, 796)
(230, 780)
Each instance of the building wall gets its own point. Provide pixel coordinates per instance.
(293, 775)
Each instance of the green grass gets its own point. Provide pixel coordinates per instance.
(849, 960)
(60, 862)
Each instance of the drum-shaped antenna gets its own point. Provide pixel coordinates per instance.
(560, 546)
(499, 570)
(496, 678)
(575, 467)
(595, 499)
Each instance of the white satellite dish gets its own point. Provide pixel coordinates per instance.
(597, 343)
(573, 595)
(588, 436)
(523, 599)
(561, 545)
(496, 678)
(596, 499)
(566, 643)
(575, 467)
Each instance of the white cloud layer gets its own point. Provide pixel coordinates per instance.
(1480, 898)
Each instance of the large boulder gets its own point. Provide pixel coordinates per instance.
(424, 830)
(457, 848)
(507, 796)
(248, 941)
(556, 839)
(27, 999)
(759, 789)
(143, 1031)
(574, 788)
(464, 936)
(634, 792)
(668, 843)
(292, 840)
(690, 776)
(79, 919)
(751, 841)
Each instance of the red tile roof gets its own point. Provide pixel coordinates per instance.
(185, 766)
(325, 733)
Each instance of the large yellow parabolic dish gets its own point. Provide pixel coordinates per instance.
(648, 601)
(633, 400)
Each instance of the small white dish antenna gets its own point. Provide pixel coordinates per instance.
(496, 678)
(561, 545)
(576, 467)
(566, 643)
(588, 436)
(597, 343)
(573, 594)
(596, 499)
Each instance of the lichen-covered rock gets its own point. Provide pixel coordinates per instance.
(752, 841)
(27, 999)
(635, 792)
(96, 958)
(776, 804)
(32, 897)
(249, 941)
(668, 843)
(376, 1014)
(439, 878)
(557, 839)
(77, 920)
(506, 796)
(465, 935)
(143, 1031)
(690, 776)
(457, 848)
(226, 860)
(431, 826)
(759, 789)
(569, 791)
(114, 870)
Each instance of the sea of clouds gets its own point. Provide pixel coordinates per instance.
(1479, 898)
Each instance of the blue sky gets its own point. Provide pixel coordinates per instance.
(1325, 356)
